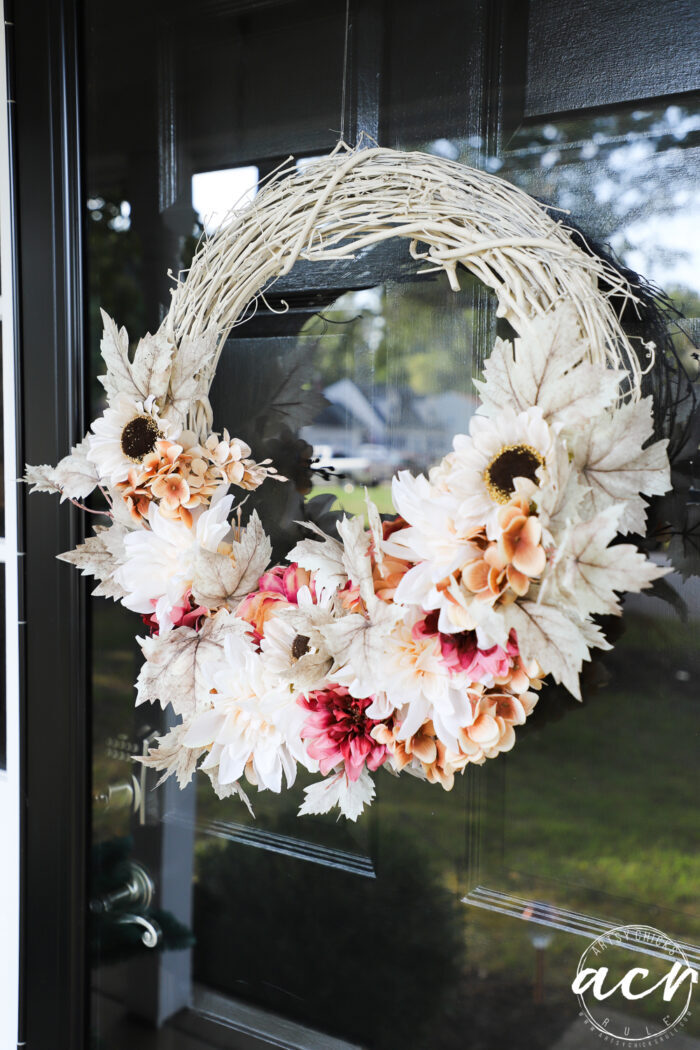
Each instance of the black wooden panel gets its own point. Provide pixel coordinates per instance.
(55, 744)
(596, 53)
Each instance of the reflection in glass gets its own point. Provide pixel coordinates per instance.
(216, 193)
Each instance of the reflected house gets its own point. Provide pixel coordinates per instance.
(413, 430)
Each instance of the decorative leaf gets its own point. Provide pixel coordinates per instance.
(358, 647)
(593, 635)
(356, 559)
(547, 635)
(173, 757)
(546, 367)
(377, 532)
(75, 474)
(41, 478)
(100, 556)
(190, 370)
(589, 571)
(225, 579)
(152, 364)
(324, 558)
(227, 790)
(563, 493)
(350, 795)
(149, 373)
(113, 540)
(115, 353)
(609, 454)
(174, 669)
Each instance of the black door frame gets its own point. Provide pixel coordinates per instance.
(43, 37)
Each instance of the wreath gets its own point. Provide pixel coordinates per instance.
(418, 642)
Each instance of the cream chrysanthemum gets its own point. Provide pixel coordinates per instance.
(481, 472)
(253, 727)
(416, 682)
(125, 434)
(158, 571)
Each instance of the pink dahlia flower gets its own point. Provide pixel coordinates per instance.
(185, 615)
(461, 653)
(338, 730)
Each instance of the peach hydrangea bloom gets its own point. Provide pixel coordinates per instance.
(509, 564)
(491, 733)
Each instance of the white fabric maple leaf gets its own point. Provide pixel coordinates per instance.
(616, 468)
(589, 572)
(324, 558)
(152, 365)
(173, 757)
(174, 672)
(100, 556)
(358, 646)
(225, 579)
(189, 378)
(75, 474)
(356, 559)
(148, 375)
(548, 635)
(42, 478)
(546, 366)
(114, 347)
(227, 790)
(377, 532)
(558, 497)
(351, 796)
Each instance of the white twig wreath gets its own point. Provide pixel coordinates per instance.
(417, 643)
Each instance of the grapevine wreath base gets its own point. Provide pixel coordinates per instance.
(418, 643)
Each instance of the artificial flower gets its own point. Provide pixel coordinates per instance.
(158, 571)
(294, 647)
(414, 678)
(483, 470)
(252, 727)
(279, 586)
(126, 432)
(461, 653)
(338, 731)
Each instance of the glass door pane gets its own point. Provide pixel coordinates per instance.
(439, 918)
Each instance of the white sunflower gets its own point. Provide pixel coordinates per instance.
(482, 471)
(125, 434)
(293, 648)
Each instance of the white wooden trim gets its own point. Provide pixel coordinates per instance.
(9, 778)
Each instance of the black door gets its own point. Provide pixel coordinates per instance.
(440, 919)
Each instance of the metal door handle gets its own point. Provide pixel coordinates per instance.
(152, 932)
(136, 892)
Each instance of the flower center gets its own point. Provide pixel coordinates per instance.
(300, 646)
(139, 437)
(512, 461)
